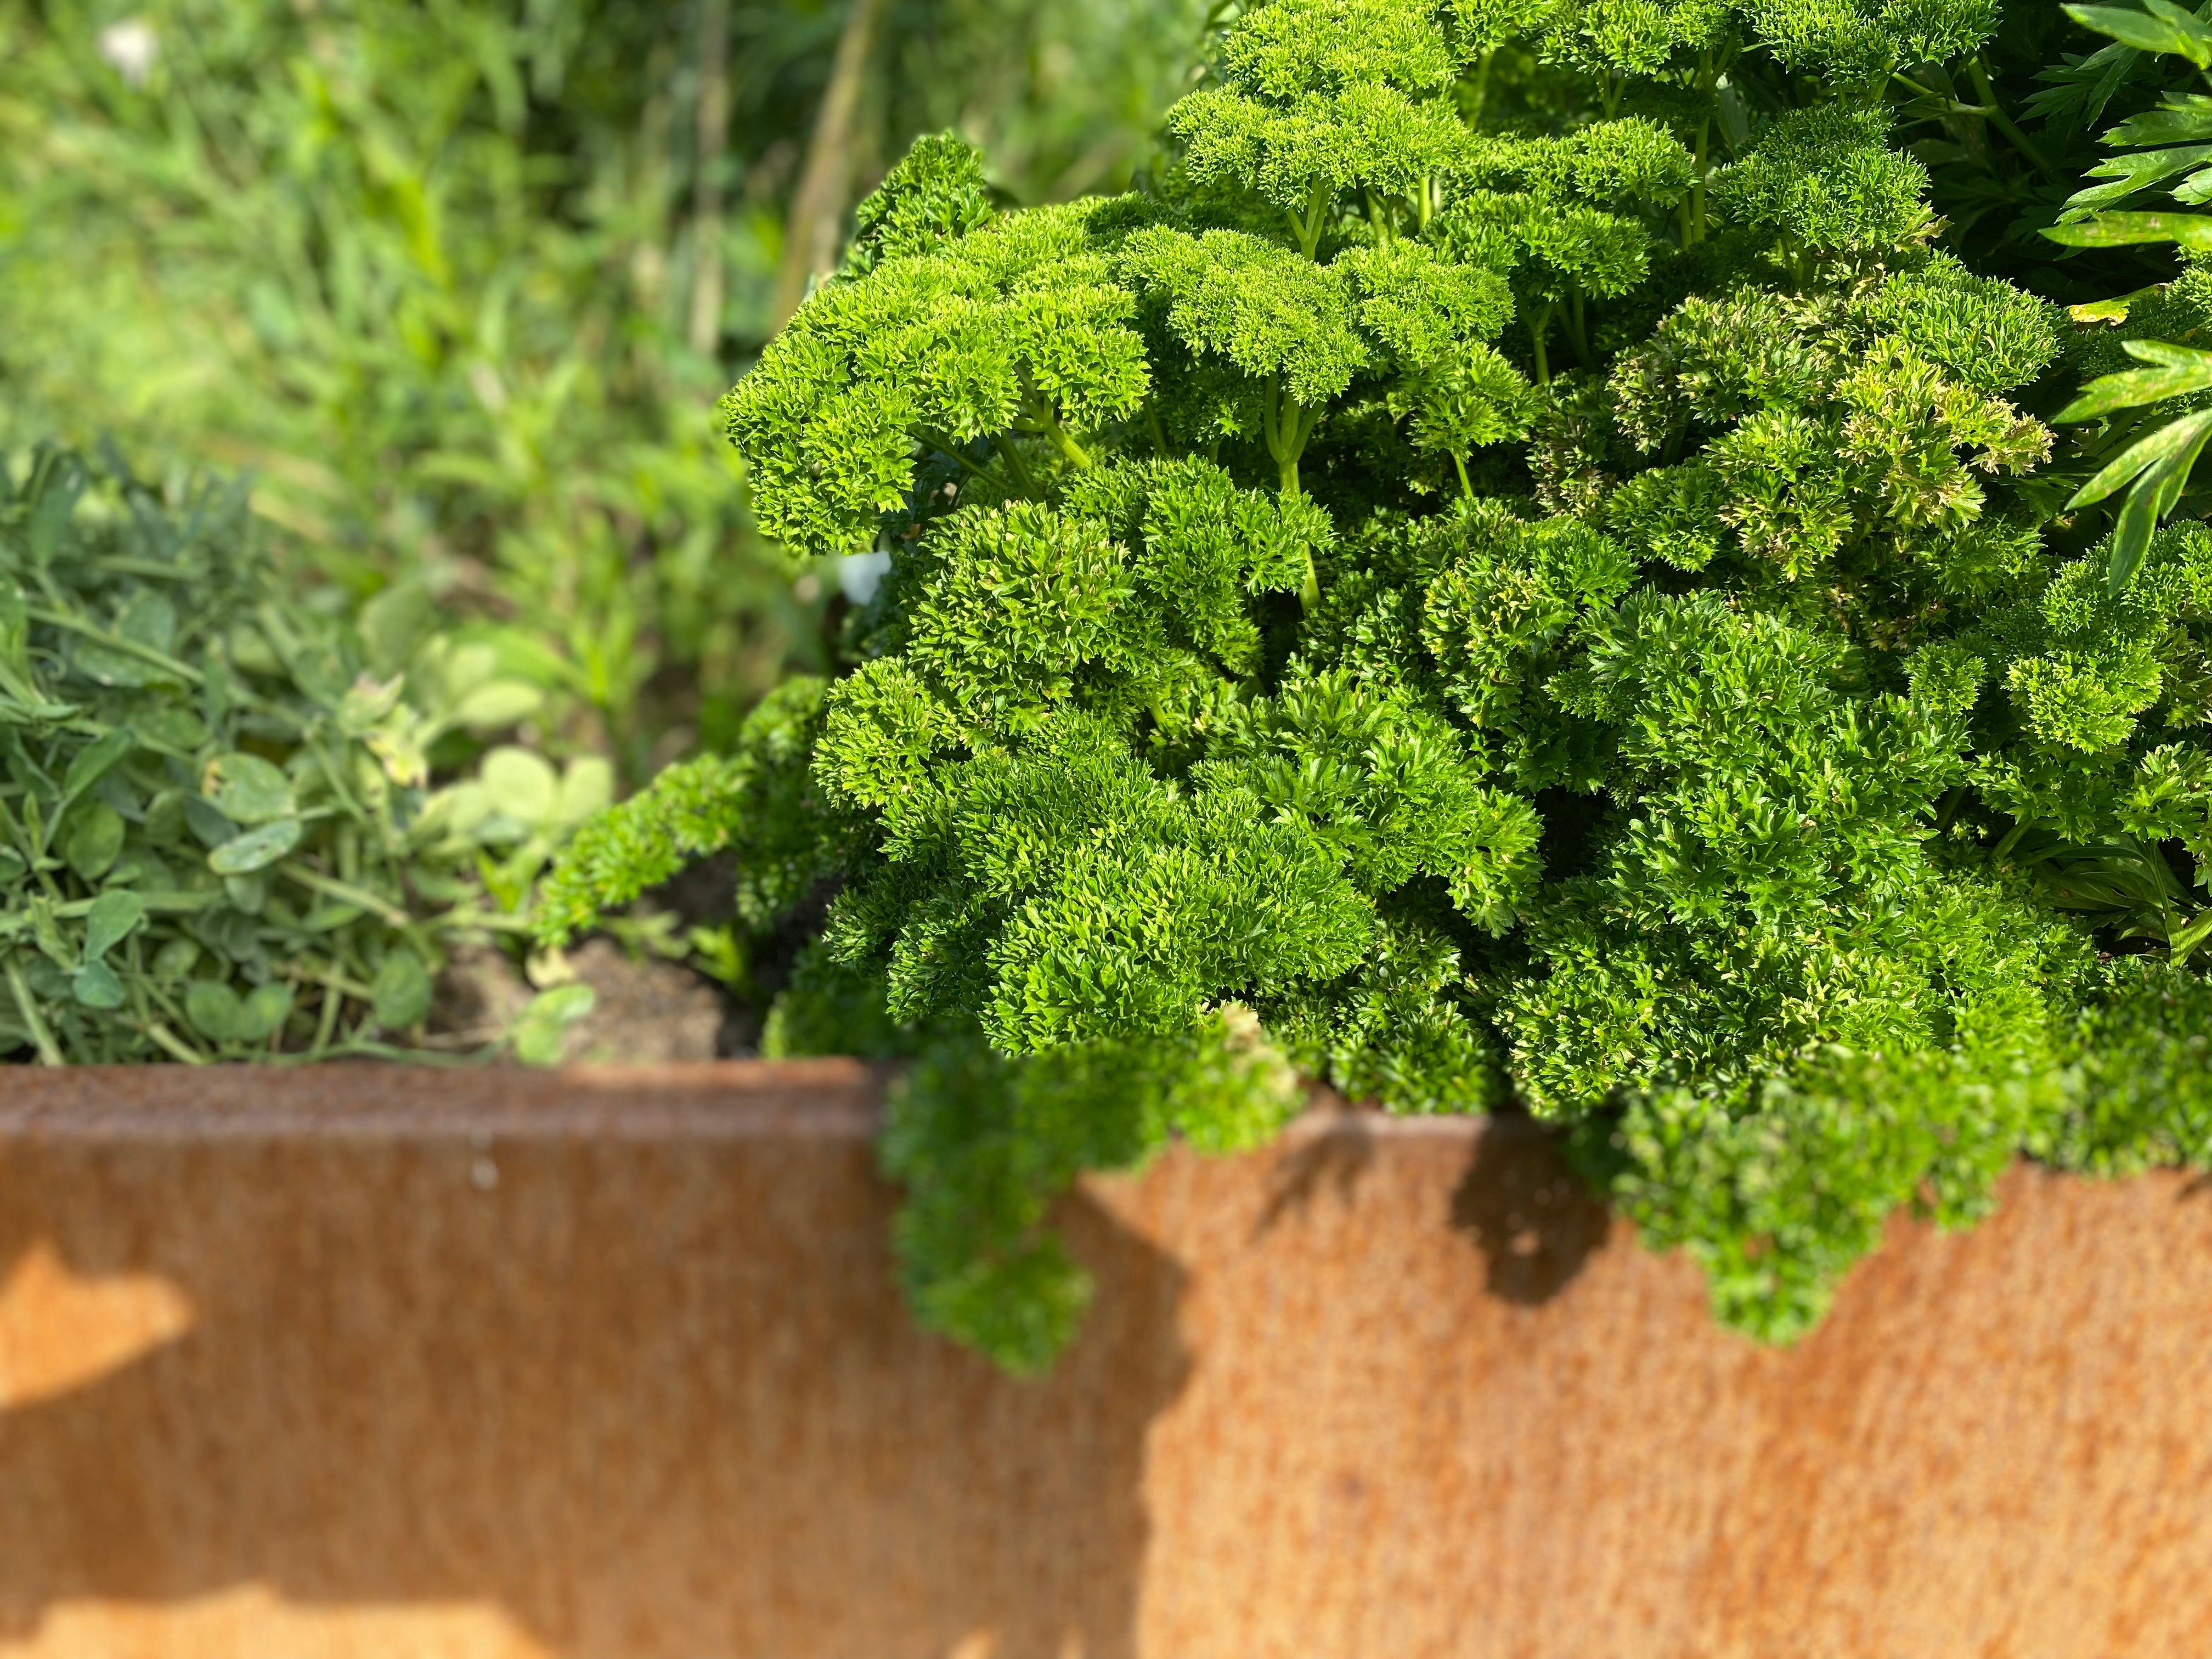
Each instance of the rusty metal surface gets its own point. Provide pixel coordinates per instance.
(612, 1366)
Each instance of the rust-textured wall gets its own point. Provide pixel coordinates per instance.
(610, 1366)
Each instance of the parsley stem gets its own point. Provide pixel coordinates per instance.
(1482, 90)
(943, 445)
(1015, 465)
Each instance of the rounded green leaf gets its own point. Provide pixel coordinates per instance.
(94, 841)
(367, 702)
(170, 723)
(96, 986)
(264, 1012)
(392, 622)
(175, 959)
(587, 785)
(247, 789)
(256, 849)
(522, 786)
(400, 993)
(214, 1010)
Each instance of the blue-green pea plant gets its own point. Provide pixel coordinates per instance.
(217, 835)
(1287, 668)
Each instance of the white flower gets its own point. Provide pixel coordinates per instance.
(132, 46)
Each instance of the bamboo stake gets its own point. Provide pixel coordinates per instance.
(817, 207)
(713, 131)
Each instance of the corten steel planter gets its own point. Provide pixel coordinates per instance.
(611, 1366)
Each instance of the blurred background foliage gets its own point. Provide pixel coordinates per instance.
(457, 281)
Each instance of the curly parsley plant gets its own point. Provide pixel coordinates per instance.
(1484, 604)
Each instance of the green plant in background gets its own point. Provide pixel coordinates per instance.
(217, 834)
(409, 267)
(458, 284)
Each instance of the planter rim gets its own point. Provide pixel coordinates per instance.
(811, 1099)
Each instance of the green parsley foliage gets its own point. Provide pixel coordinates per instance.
(1516, 574)
(217, 836)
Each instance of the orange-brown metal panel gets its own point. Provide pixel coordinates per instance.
(488, 1365)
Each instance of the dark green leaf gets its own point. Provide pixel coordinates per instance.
(249, 894)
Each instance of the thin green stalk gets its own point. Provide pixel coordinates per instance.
(1540, 322)
(1285, 426)
(175, 1047)
(1316, 216)
(459, 919)
(942, 444)
(1481, 90)
(42, 1039)
(1466, 488)
(382, 909)
(1694, 205)
(145, 653)
(327, 1021)
(2002, 122)
(1012, 454)
(1077, 454)
(1044, 423)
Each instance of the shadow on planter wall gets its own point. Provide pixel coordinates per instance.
(646, 1400)
(1535, 1223)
